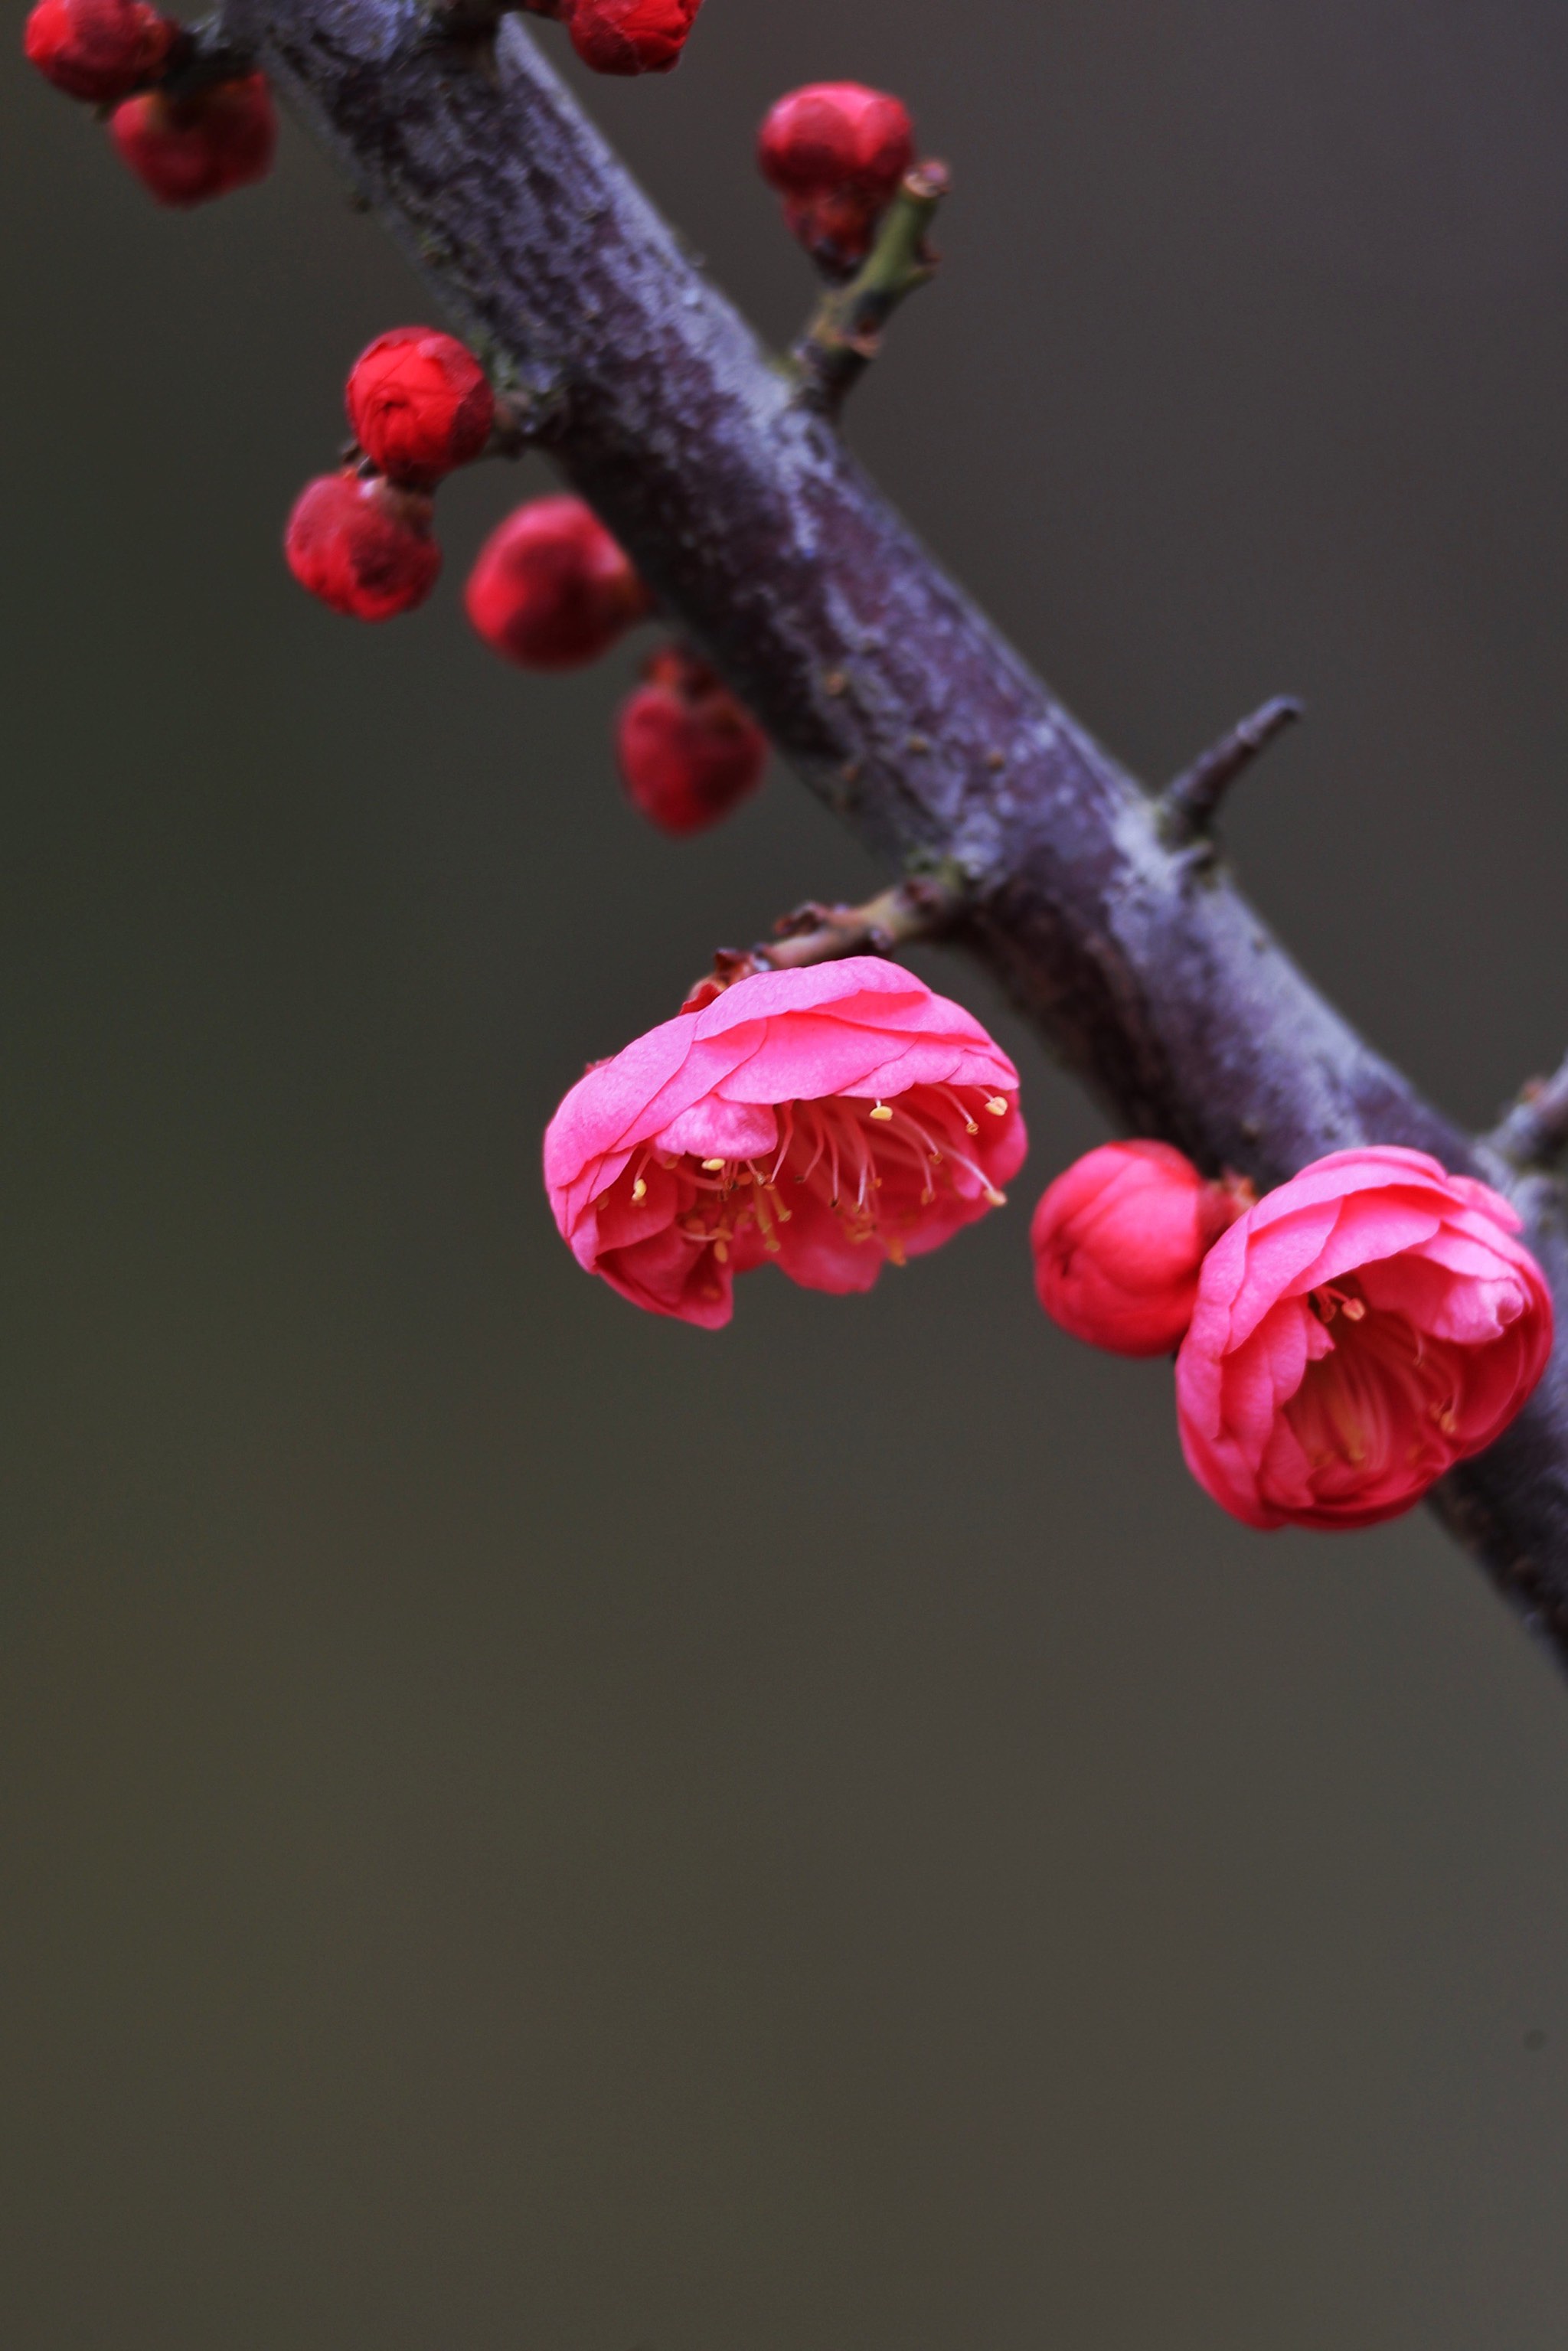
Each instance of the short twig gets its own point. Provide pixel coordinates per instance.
(204, 55)
(1534, 1133)
(846, 333)
(922, 907)
(1189, 806)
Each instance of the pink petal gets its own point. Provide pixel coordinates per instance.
(716, 1129)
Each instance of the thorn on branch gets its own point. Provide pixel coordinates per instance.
(922, 907)
(1533, 1135)
(846, 333)
(1188, 808)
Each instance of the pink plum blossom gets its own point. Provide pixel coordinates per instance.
(1118, 1240)
(1365, 1326)
(827, 1119)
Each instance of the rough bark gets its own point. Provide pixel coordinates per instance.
(891, 695)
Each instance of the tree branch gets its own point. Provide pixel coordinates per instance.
(898, 703)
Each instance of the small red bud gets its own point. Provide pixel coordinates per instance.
(185, 151)
(836, 152)
(630, 36)
(99, 50)
(363, 546)
(1119, 1240)
(419, 404)
(551, 589)
(688, 752)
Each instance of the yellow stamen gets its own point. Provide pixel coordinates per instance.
(998, 1106)
(882, 1111)
(639, 1191)
(713, 1167)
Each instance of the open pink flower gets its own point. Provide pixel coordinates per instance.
(827, 1119)
(1361, 1329)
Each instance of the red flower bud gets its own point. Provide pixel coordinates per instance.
(185, 151)
(1119, 1241)
(630, 36)
(362, 546)
(99, 50)
(551, 590)
(688, 752)
(419, 404)
(836, 152)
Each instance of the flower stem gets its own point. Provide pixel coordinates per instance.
(846, 333)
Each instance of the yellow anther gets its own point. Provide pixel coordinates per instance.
(882, 1111)
(713, 1167)
(970, 1127)
(721, 1251)
(895, 1253)
(998, 1106)
(639, 1191)
(998, 1199)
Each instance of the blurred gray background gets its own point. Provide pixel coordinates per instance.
(522, 1825)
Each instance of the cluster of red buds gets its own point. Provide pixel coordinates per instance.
(362, 539)
(836, 153)
(186, 145)
(550, 590)
(625, 37)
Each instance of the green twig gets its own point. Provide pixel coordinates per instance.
(846, 333)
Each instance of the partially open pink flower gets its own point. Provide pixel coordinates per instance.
(827, 1119)
(1118, 1240)
(1361, 1329)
